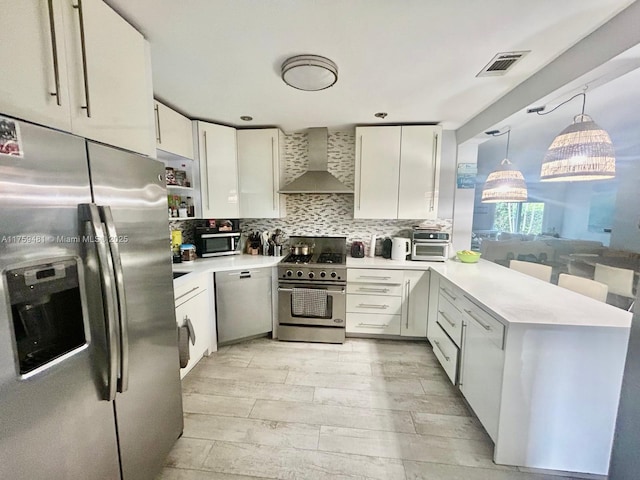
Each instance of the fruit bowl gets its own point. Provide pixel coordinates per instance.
(468, 256)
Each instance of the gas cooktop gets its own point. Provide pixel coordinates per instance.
(326, 262)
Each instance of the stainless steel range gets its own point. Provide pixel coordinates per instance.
(312, 291)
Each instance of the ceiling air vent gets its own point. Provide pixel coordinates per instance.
(501, 63)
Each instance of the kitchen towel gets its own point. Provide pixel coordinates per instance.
(309, 302)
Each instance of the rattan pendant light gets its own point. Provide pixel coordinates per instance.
(506, 183)
(582, 151)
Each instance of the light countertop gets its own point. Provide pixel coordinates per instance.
(512, 296)
(222, 264)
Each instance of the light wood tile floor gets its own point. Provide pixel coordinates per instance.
(367, 409)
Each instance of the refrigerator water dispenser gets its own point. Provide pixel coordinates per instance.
(46, 307)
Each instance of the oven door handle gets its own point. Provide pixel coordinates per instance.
(329, 292)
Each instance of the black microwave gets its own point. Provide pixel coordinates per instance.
(213, 242)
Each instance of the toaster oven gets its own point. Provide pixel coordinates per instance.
(429, 246)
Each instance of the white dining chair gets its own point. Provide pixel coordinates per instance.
(590, 288)
(619, 280)
(543, 272)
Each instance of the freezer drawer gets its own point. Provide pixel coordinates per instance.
(243, 304)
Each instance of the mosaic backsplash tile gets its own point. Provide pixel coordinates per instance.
(328, 214)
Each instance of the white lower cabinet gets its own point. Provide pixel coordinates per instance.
(387, 302)
(415, 304)
(193, 304)
(482, 367)
(446, 352)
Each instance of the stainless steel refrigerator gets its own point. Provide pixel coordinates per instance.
(89, 369)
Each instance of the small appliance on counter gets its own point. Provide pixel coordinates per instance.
(220, 237)
(386, 247)
(429, 245)
(357, 249)
(400, 248)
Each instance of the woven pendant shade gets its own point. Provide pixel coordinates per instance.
(506, 184)
(582, 151)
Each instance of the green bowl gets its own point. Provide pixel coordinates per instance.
(468, 257)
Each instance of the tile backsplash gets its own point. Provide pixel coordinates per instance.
(328, 214)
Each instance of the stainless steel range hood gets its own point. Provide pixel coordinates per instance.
(317, 179)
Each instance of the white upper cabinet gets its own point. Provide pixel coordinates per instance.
(109, 82)
(34, 65)
(259, 173)
(420, 149)
(397, 172)
(217, 153)
(79, 67)
(377, 172)
(173, 131)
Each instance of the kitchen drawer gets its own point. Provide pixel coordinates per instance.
(375, 324)
(189, 289)
(451, 293)
(365, 275)
(369, 289)
(374, 304)
(446, 352)
(491, 327)
(450, 319)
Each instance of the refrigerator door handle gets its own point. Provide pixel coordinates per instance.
(113, 239)
(88, 212)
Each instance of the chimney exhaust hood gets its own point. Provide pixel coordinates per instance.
(317, 179)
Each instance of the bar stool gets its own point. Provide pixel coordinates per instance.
(619, 280)
(543, 272)
(590, 288)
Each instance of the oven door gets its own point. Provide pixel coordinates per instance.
(429, 251)
(335, 310)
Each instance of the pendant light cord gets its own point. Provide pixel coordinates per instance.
(584, 101)
(495, 133)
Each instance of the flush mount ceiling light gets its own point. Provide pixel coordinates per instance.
(506, 183)
(309, 72)
(582, 151)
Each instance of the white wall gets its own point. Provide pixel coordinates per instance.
(626, 222)
(576, 211)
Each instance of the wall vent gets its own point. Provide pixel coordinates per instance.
(501, 63)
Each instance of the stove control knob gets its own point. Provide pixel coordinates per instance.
(333, 274)
(299, 273)
(289, 273)
(311, 274)
(323, 274)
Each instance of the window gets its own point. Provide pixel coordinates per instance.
(525, 217)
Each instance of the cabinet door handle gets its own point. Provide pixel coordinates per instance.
(360, 176)
(187, 293)
(273, 175)
(444, 315)
(408, 297)
(158, 133)
(373, 325)
(375, 277)
(486, 326)
(374, 290)
(370, 305)
(437, 344)
(448, 293)
(206, 178)
(434, 155)
(54, 53)
(83, 45)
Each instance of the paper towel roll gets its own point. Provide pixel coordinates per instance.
(372, 246)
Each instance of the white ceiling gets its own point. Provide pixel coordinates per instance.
(415, 59)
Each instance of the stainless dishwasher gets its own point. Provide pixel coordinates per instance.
(243, 304)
